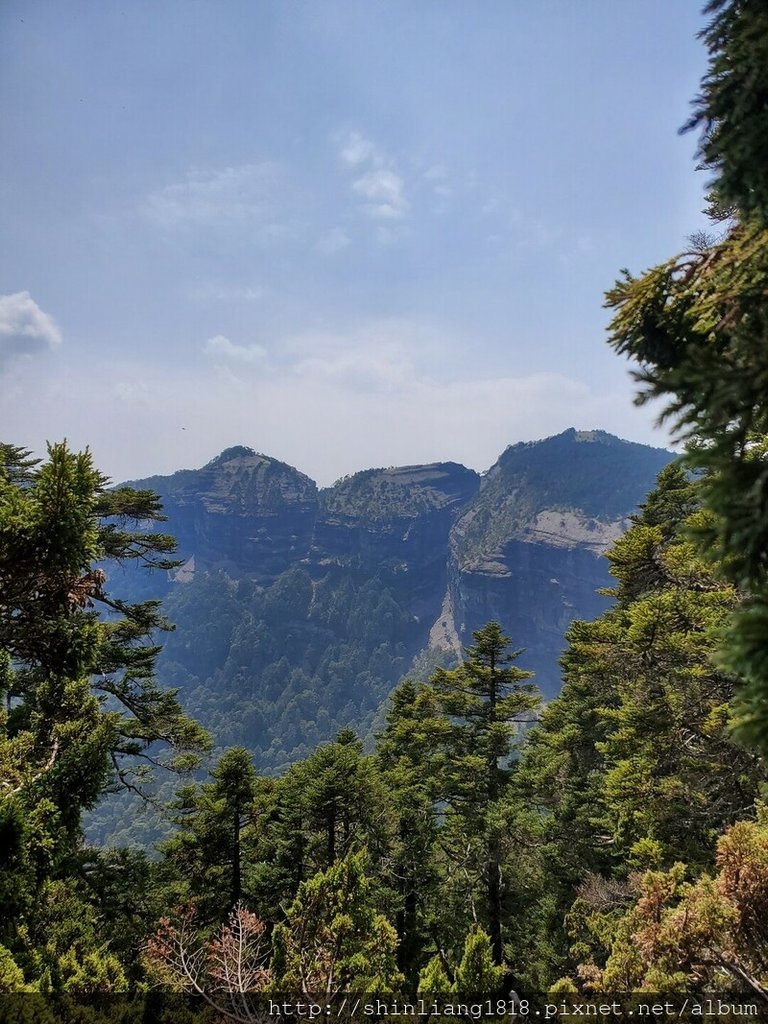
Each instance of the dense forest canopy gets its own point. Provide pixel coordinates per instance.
(611, 841)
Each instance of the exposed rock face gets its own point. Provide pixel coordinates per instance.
(535, 591)
(398, 516)
(261, 516)
(528, 550)
(243, 511)
(564, 528)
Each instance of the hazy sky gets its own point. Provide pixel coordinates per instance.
(347, 233)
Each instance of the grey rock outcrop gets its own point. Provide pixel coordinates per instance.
(529, 550)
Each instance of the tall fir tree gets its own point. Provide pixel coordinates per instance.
(486, 701)
(82, 710)
(206, 859)
(408, 753)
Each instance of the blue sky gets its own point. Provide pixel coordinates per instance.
(346, 233)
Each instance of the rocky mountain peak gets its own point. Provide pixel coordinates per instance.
(238, 451)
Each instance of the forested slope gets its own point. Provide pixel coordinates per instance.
(297, 611)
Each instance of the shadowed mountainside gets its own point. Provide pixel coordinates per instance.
(297, 609)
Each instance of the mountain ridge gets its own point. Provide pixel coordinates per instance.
(234, 452)
(315, 601)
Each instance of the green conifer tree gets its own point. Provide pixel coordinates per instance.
(335, 799)
(633, 765)
(335, 937)
(696, 325)
(486, 701)
(81, 709)
(408, 753)
(206, 860)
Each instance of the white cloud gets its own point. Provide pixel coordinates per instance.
(384, 191)
(373, 355)
(362, 368)
(356, 150)
(379, 185)
(25, 330)
(333, 241)
(435, 173)
(227, 195)
(136, 391)
(223, 348)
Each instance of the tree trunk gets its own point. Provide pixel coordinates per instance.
(494, 903)
(237, 888)
(331, 836)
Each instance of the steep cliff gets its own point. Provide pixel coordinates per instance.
(528, 550)
(244, 512)
(399, 517)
